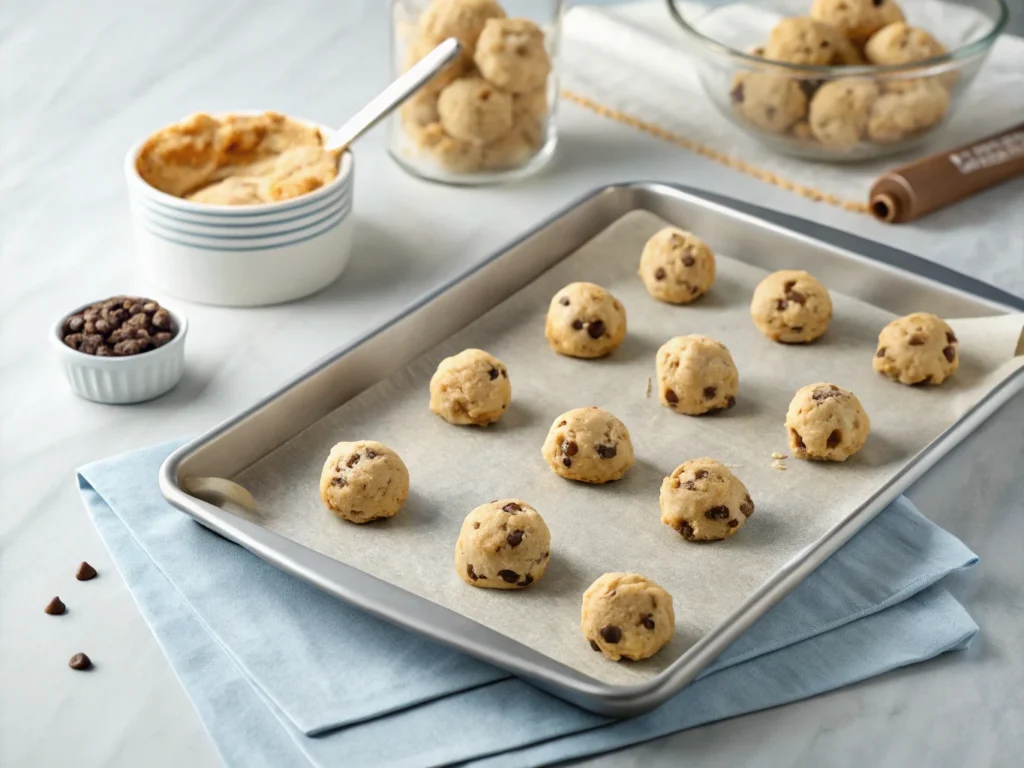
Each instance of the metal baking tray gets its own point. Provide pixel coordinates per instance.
(886, 278)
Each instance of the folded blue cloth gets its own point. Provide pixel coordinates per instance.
(282, 674)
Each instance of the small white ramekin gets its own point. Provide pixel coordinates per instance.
(243, 256)
(122, 380)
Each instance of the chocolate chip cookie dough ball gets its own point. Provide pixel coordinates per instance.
(589, 445)
(533, 103)
(511, 54)
(768, 102)
(471, 387)
(503, 545)
(791, 307)
(363, 481)
(840, 110)
(917, 349)
(696, 375)
(464, 19)
(627, 616)
(585, 320)
(900, 43)
(450, 153)
(473, 110)
(826, 422)
(856, 20)
(676, 266)
(802, 40)
(704, 501)
(907, 111)
(515, 147)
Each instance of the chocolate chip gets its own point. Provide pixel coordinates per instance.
(512, 508)
(730, 402)
(493, 373)
(561, 423)
(950, 337)
(74, 324)
(686, 530)
(689, 485)
(569, 448)
(747, 507)
(796, 297)
(769, 112)
(55, 607)
(595, 646)
(577, 325)
(371, 454)
(567, 462)
(671, 396)
(610, 633)
(733, 523)
(504, 375)
(471, 573)
(688, 260)
(647, 621)
(717, 513)
(710, 392)
(737, 93)
(659, 274)
(607, 451)
(595, 329)
(880, 352)
(949, 353)
(338, 481)
(915, 340)
(515, 538)
(824, 44)
(527, 581)
(781, 305)
(352, 460)
(822, 393)
(564, 301)
(788, 286)
(797, 440)
(475, 526)
(878, 3)
(925, 381)
(700, 474)
(80, 661)
(797, 328)
(85, 571)
(834, 438)
(509, 577)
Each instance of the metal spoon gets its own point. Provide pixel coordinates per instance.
(392, 96)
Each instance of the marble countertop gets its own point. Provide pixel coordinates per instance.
(79, 88)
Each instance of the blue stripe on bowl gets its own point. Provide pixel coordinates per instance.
(333, 221)
(159, 213)
(247, 233)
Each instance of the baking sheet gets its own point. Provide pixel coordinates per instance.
(616, 527)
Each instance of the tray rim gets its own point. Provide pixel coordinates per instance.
(550, 675)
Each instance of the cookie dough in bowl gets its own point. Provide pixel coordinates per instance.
(802, 40)
(906, 111)
(696, 375)
(471, 387)
(857, 20)
(917, 349)
(364, 481)
(676, 266)
(504, 544)
(791, 307)
(768, 102)
(704, 501)
(826, 422)
(585, 320)
(627, 616)
(840, 110)
(589, 445)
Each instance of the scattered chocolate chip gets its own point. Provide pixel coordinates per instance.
(475, 526)
(796, 297)
(577, 325)
(688, 260)
(747, 507)
(371, 454)
(118, 327)
(527, 581)
(823, 393)
(647, 621)
(949, 353)
(564, 301)
(352, 460)
(878, 3)
(737, 93)
(55, 607)
(925, 381)
(74, 324)
(338, 481)
(915, 340)
(834, 438)
(569, 448)
(950, 337)
(512, 508)
(797, 440)
(797, 328)
(595, 646)
(509, 577)
(515, 538)
(730, 402)
(788, 286)
(671, 396)
(567, 462)
(689, 485)
(686, 530)
(80, 661)
(493, 373)
(607, 451)
(471, 573)
(659, 274)
(825, 44)
(504, 375)
(880, 352)
(85, 572)
(700, 474)
(595, 329)
(781, 304)
(710, 392)
(717, 513)
(733, 523)
(610, 633)
(561, 423)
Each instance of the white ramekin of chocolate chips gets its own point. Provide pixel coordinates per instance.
(124, 349)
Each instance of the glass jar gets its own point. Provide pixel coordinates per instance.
(489, 117)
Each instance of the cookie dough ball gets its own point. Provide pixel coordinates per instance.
(847, 54)
(464, 19)
(856, 20)
(511, 54)
(900, 43)
(802, 40)
(768, 102)
(627, 616)
(533, 103)
(471, 109)
(676, 266)
(471, 387)
(585, 320)
(517, 146)
(419, 111)
(503, 545)
(696, 375)
(826, 422)
(450, 153)
(791, 307)
(907, 111)
(589, 445)
(917, 349)
(840, 110)
(363, 481)
(704, 501)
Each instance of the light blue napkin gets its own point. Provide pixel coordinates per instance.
(269, 661)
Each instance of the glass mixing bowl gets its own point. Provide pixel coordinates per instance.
(837, 112)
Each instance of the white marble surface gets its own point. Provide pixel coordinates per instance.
(81, 81)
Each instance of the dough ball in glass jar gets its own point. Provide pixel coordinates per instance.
(472, 109)
(511, 54)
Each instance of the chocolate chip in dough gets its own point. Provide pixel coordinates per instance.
(736, 94)
(595, 329)
(493, 373)
(717, 513)
(688, 260)
(950, 337)
(569, 448)
(610, 634)
(700, 474)
(834, 438)
(80, 661)
(747, 507)
(686, 531)
(607, 451)
(564, 301)
(797, 439)
(595, 646)
(949, 353)
(512, 508)
(509, 577)
(710, 392)
(880, 352)
(671, 397)
(515, 538)
(659, 274)
(647, 621)
(85, 572)
(527, 581)
(577, 325)
(471, 573)
(55, 607)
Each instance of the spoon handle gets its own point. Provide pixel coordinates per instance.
(400, 90)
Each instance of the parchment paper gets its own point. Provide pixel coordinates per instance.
(616, 527)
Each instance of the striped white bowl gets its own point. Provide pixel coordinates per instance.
(242, 255)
